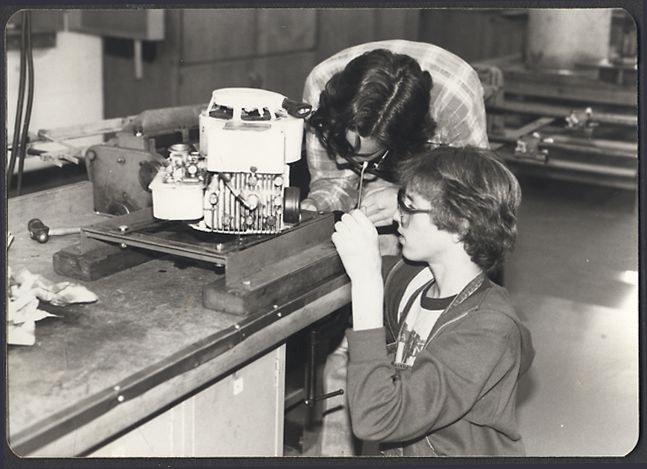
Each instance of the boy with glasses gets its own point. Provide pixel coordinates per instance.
(446, 385)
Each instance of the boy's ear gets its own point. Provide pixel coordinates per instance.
(462, 231)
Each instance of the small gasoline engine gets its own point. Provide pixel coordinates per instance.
(238, 181)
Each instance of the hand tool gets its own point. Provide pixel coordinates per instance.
(41, 232)
(360, 185)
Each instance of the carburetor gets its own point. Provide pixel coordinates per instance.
(238, 181)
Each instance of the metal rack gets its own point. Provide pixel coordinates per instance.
(577, 125)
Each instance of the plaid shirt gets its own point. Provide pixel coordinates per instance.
(456, 105)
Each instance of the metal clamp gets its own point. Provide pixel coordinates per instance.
(582, 121)
(579, 118)
(528, 147)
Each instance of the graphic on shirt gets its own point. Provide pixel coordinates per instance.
(418, 323)
(412, 343)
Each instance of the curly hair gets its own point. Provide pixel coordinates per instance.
(379, 94)
(472, 193)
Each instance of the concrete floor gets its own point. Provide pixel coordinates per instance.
(573, 277)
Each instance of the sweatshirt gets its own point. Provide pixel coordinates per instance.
(459, 397)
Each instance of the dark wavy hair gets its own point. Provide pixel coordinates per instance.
(472, 193)
(379, 94)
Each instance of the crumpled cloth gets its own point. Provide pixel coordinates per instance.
(26, 290)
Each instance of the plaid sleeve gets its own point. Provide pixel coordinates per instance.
(461, 113)
(457, 102)
(331, 188)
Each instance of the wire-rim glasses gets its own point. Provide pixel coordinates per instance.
(375, 163)
(372, 160)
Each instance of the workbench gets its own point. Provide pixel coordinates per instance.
(147, 370)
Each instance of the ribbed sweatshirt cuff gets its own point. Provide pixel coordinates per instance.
(367, 344)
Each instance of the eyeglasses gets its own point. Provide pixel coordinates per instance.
(375, 163)
(375, 157)
(372, 159)
(405, 210)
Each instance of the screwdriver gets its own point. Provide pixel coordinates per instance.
(360, 184)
